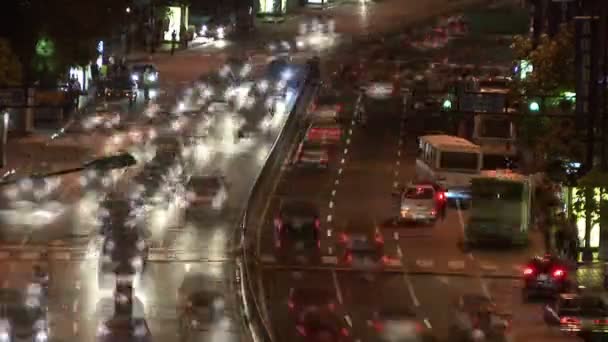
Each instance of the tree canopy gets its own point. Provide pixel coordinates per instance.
(552, 60)
(10, 68)
(73, 26)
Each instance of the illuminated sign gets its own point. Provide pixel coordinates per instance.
(45, 47)
(175, 21)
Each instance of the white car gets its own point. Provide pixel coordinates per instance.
(418, 203)
(379, 91)
(207, 192)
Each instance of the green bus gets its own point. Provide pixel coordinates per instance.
(501, 208)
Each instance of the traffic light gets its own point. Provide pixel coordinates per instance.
(534, 106)
(447, 105)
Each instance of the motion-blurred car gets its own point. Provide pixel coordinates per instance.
(117, 89)
(123, 251)
(475, 317)
(546, 275)
(149, 70)
(327, 133)
(312, 153)
(326, 107)
(379, 90)
(20, 320)
(199, 310)
(216, 29)
(102, 120)
(398, 325)
(579, 314)
(207, 192)
(322, 325)
(421, 202)
(363, 244)
(296, 227)
(306, 297)
(124, 328)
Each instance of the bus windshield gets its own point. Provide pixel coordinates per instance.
(459, 161)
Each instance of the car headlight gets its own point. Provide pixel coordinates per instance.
(135, 78)
(152, 77)
(137, 263)
(4, 336)
(41, 336)
(221, 33)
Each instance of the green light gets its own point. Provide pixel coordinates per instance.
(534, 106)
(447, 104)
(45, 47)
(568, 95)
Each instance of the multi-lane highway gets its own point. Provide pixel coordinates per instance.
(428, 268)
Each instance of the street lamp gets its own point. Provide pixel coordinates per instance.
(128, 10)
(534, 106)
(447, 104)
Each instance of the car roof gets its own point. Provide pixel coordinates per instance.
(299, 207)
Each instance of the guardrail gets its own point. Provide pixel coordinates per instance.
(254, 317)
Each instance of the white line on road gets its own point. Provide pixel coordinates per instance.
(345, 151)
(340, 171)
(333, 193)
(396, 173)
(342, 161)
(395, 184)
(410, 289)
(334, 276)
(329, 231)
(399, 153)
(427, 323)
(75, 306)
(328, 218)
(398, 163)
(336, 182)
(348, 141)
(75, 327)
(348, 320)
(350, 131)
(331, 204)
(485, 289)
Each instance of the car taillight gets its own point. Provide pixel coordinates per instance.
(528, 271)
(601, 321)
(379, 239)
(301, 330)
(343, 238)
(559, 273)
(317, 223)
(385, 260)
(344, 332)
(378, 326)
(441, 196)
(349, 258)
(291, 305)
(569, 320)
(278, 223)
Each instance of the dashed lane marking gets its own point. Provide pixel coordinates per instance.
(489, 267)
(331, 204)
(425, 263)
(329, 218)
(456, 264)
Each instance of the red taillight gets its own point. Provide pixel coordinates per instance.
(317, 223)
(343, 238)
(291, 305)
(433, 212)
(559, 273)
(378, 326)
(379, 239)
(528, 271)
(385, 260)
(349, 258)
(301, 330)
(344, 332)
(441, 196)
(331, 306)
(278, 223)
(338, 108)
(601, 321)
(569, 320)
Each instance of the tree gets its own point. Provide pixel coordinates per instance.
(10, 67)
(73, 26)
(552, 60)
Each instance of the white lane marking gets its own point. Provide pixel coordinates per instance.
(398, 163)
(75, 327)
(330, 250)
(485, 289)
(399, 153)
(75, 306)
(77, 284)
(410, 289)
(329, 218)
(329, 231)
(352, 122)
(333, 193)
(396, 235)
(395, 184)
(427, 323)
(345, 151)
(348, 320)
(30, 256)
(456, 264)
(348, 141)
(334, 276)
(399, 252)
(342, 161)
(350, 131)
(62, 256)
(336, 182)
(396, 173)
(340, 171)
(443, 279)
(329, 259)
(425, 263)
(488, 267)
(331, 204)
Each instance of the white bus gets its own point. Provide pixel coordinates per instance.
(449, 161)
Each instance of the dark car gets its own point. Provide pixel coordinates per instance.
(199, 310)
(22, 320)
(363, 244)
(216, 29)
(296, 227)
(118, 89)
(546, 275)
(306, 297)
(124, 252)
(322, 325)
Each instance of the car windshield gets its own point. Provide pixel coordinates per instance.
(419, 193)
(459, 161)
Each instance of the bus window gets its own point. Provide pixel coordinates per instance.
(459, 161)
